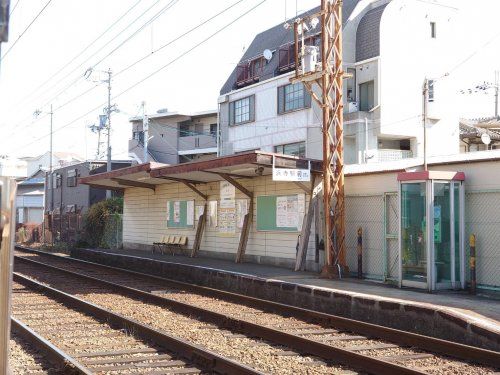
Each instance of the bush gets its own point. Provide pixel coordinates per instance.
(97, 219)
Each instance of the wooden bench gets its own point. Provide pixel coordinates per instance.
(171, 243)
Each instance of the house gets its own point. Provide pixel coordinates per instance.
(383, 92)
(30, 198)
(12, 167)
(64, 193)
(175, 137)
(59, 159)
(479, 134)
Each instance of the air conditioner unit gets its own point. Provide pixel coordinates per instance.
(353, 107)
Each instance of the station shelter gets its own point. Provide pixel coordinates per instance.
(414, 222)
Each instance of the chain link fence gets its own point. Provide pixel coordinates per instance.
(113, 232)
(482, 218)
(378, 216)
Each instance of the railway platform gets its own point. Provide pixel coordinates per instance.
(456, 316)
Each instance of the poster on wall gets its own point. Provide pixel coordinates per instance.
(199, 211)
(212, 214)
(241, 211)
(290, 211)
(227, 194)
(437, 224)
(168, 211)
(190, 213)
(177, 212)
(227, 221)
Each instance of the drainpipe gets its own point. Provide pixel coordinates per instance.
(366, 140)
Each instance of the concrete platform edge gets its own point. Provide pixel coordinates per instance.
(415, 317)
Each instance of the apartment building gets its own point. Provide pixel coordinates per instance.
(383, 95)
(175, 137)
(64, 193)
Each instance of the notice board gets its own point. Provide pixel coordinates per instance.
(180, 214)
(280, 212)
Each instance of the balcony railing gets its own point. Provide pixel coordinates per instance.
(246, 74)
(393, 155)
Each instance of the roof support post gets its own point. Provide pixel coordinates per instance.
(202, 220)
(306, 228)
(193, 188)
(245, 231)
(247, 220)
(236, 184)
(130, 183)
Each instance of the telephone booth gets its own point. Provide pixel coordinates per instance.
(431, 230)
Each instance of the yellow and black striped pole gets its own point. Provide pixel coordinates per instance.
(360, 253)
(472, 263)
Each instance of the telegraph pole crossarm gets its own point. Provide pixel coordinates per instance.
(330, 82)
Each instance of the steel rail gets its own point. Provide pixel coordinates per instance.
(55, 355)
(301, 344)
(404, 338)
(207, 360)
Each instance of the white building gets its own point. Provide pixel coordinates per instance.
(12, 167)
(59, 159)
(390, 48)
(175, 137)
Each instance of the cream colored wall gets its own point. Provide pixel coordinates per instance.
(144, 219)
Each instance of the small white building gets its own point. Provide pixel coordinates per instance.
(390, 48)
(12, 167)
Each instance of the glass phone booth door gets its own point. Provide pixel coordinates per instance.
(431, 256)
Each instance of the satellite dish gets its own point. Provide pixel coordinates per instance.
(485, 138)
(268, 55)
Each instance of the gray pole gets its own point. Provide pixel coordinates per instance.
(145, 130)
(496, 94)
(425, 93)
(108, 166)
(51, 167)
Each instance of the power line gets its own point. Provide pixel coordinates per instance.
(25, 30)
(82, 51)
(150, 75)
(14, 8)
(178, 37)
(80, 76)
(171, 3)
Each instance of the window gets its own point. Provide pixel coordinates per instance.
(351, 85)
(294, 149)
(430, 92)
(71, 179)
(56, 180)
(293, 97)
(366, 96)
(184, 130)
(242, 110)
(256, 67)
(433, 30)
(213, 130)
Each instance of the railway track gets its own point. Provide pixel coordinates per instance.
(86, 339)
(27, 354)
(359, 345)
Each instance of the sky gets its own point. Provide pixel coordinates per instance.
(160, 63)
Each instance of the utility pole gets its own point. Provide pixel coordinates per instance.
(145, 131)
(425, 99)
(51, 166)
(497, 83)
(330, 80)
(108, 165)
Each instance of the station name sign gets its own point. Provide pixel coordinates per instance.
(291, 174)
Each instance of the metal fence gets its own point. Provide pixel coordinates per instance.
(482, 218)
(378, 216)
(113, 232)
